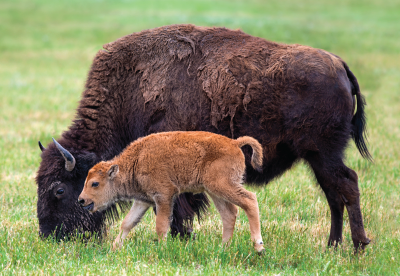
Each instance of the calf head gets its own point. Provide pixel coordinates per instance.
(99, 191)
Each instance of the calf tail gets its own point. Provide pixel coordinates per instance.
(359, 119)
(256, 158)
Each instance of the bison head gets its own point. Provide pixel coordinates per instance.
(60, 180)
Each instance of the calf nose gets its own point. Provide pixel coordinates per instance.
(81, 201)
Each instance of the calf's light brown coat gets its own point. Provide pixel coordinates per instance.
(155, 169)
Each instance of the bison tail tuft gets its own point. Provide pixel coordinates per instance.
(359, 120)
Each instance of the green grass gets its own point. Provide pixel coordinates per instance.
(46, 48)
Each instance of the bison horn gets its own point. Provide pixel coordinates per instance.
(69, 159)
(41, 147)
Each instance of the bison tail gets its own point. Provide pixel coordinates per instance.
(359, 119)
(256, 158)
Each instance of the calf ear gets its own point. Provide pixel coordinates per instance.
(112, 172)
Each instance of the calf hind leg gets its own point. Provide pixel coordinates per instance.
(228, 213)
(236, 194)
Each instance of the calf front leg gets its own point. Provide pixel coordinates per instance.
(163, 216)
(134, 216)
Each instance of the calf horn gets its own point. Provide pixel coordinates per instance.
(41, 147)
(69, 159)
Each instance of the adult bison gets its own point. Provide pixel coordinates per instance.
(299, 102)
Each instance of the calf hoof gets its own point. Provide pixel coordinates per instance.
(262, 252)
(116, 246)
(259, 247)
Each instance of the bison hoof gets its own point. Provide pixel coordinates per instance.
(364, 243)
(361, 245)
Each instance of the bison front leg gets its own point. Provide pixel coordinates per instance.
(186, 206)
(134, 216)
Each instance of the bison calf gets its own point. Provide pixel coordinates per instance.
(155, 169)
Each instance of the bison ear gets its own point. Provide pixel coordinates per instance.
(112, 172)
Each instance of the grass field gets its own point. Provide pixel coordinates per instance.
(46, 48)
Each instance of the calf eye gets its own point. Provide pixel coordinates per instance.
(95, 184)
(60, 191)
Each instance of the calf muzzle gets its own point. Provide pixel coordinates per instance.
(88, 207)
(81, 201)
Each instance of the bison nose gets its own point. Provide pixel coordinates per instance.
(81, 201)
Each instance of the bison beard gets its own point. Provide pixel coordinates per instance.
(299, 102)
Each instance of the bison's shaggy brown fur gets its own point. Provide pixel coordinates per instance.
(299, 102)
(154, 170)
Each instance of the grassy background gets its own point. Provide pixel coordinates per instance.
(46, 48)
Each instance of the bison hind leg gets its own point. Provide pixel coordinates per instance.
(336, 206)
(340, 186)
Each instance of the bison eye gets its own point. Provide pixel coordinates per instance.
(95, 184)
(60, 191)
